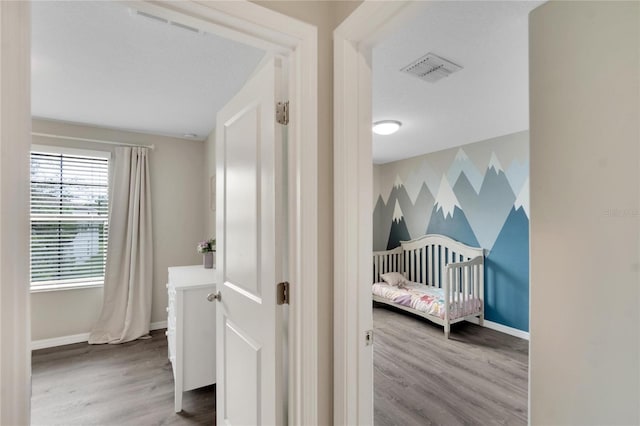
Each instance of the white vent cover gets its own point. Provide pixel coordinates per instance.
(431, 68)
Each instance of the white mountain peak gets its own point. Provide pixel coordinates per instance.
(463, 164)
(397, 213)
(398, 183)
(446, 200)
(495, 164)
(461, 155)
(523, 198)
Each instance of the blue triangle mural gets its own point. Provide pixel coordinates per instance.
(456, 226)
(507, 274)
(398, 233)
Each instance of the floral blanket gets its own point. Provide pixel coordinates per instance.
(426, 299)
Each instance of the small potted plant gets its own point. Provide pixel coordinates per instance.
(207, 248)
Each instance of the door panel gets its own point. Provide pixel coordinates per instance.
(242, 405)
(241, 206)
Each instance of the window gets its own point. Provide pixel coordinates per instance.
(69, 218)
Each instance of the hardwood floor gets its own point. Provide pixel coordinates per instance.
(477, 377)
(128, 384)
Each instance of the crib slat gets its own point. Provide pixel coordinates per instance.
(404, 262)
(375, 269)
(476, 279)
(427, 270)
(411, 262)
(390, 266)
(436, 266)
(415, 257)
(467, 278)
(424, 266)
(472, 280)
(479, 278)
(457, 286)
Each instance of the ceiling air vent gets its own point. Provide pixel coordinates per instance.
(431, 68)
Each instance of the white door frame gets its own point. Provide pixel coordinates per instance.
(353, 209)
(238, 20)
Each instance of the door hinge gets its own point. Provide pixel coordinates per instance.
(282, 113)
(283, 293)
(368, 338)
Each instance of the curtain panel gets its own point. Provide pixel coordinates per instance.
(126, 310)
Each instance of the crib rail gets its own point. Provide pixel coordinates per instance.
(465, 283)
(387, 261)
(425, 258)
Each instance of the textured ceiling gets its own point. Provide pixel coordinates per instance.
(487, 98)
(101, 64)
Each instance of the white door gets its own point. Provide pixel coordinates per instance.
(249, 166)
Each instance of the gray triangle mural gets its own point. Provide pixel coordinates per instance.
(487, 210)
(382, 217)
(416, 215)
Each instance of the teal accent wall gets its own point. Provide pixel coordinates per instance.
(477, 194)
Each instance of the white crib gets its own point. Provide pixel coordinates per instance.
(439, 262)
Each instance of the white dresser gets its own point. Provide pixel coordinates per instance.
(191, 328)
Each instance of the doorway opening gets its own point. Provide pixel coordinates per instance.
(107, 73)
(455, 76)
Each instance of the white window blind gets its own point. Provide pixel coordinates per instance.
(69, 220)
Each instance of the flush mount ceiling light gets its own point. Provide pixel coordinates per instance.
(386, 127)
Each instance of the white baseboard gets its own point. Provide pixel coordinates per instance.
(503, 328)
(158, 325)
(59, 341)
(78, 338)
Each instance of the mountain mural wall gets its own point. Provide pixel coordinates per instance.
(477, 194)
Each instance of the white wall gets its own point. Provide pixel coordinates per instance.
(178, 189)
(209, 173)
(585, 182)
(15, 123)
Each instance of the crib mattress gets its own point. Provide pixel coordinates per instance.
(429, 300)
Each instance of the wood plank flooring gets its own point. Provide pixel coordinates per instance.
(128, 384)
(477, 377)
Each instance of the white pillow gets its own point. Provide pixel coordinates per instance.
(394, 278)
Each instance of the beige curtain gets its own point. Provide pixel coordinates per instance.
(126, 309)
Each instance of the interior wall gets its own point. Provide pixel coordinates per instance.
(326, 15)
(477, 194)
(585, 183)
(209, 177)
(177, 192)
(15, 124)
